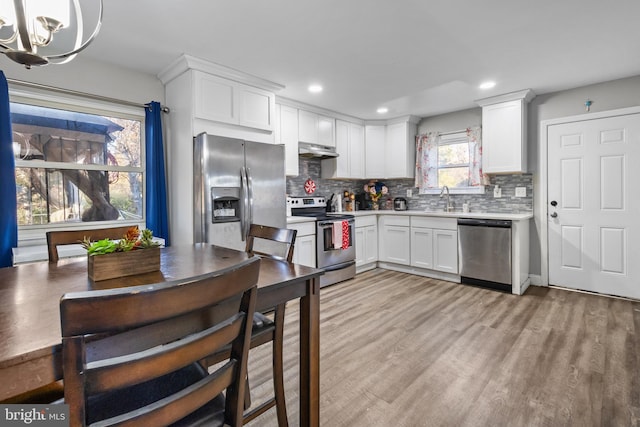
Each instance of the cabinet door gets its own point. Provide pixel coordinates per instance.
(255, 107)
(342, 148)
(214, 98)
(422, 247)
(400, 151)
(395, 244)
(289, 137)
(361, 244)
(503, 148)
(445, 251)
(375, 151)
(304, 252)
(308, 127)
(371, 248)
(326, 134)
(356, 151)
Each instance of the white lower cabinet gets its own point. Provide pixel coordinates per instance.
(304, 252)
(394, 239)
(422, 247)
(445, 251)
(434, 244)
(366, 234)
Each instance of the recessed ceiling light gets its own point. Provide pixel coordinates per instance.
(382, 110)
(315, 88)
(487, 85)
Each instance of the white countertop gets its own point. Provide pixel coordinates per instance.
(486, 215)
(299, 219)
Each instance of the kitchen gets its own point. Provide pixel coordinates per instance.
(608, 93)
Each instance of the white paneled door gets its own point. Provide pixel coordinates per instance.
(594, 205)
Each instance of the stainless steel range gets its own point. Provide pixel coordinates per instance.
(335, 239)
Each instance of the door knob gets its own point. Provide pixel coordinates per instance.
(554, 215)
(554, 203)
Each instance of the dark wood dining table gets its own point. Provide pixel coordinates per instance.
(30, 341)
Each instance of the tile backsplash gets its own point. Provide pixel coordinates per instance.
(508, 203)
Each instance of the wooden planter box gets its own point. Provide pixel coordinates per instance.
(120, 264)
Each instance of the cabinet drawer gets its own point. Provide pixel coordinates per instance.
(363, 221)
(402, 221)
(431, 222)
(304, 228)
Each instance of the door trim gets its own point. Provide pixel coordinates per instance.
(540, 193)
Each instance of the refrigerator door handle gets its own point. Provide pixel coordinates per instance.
(244, 187)
(250, 199)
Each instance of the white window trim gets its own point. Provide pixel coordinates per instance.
(455, 138)
(30, 235)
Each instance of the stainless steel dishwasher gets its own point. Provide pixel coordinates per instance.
(484, 247)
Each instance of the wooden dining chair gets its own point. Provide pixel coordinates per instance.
(267, 330)
(134, 354)
(70, 237)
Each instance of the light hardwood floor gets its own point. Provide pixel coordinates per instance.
(403, 350)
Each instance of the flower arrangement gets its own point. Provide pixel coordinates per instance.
(376, 190)
(132, 240)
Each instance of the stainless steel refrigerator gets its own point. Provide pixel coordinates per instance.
(236, 183)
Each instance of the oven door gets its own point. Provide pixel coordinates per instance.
(329, 250)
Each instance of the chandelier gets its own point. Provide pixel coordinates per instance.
(27, 29)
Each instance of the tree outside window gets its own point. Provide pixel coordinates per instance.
(76, 167)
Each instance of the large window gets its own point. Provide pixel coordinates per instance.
(76, 165)
(453, 160)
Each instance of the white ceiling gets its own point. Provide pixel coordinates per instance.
(421, 57)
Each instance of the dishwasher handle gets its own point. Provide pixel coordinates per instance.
(476, 222)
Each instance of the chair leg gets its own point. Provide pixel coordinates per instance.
(247, 394)
(278, 367)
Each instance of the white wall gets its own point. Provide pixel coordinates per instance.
(606, 96)
(451, 122)
(90, 76)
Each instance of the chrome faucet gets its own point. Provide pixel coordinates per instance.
(449, 208)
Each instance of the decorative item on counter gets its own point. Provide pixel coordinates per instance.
(376, 190)
(388, 204)
(135, 253)
(350, 201)
(309, 186)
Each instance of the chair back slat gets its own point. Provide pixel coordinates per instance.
(281, 235)
(132, 380)
(117, 372)
(71, 237)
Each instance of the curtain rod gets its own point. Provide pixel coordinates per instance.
(452, 132)
(82, 94)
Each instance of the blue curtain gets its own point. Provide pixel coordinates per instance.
(156, 194)
(8, 212)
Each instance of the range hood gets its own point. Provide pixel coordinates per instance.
(316, 151)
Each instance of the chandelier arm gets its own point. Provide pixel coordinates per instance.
(86, 43)
(23, 29)
(9, 40)
(4, 46)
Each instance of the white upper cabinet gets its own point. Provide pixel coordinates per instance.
(308, 127)
(391, 151)
(375, 151)
(287, 134)
(351, 152)
(214, 98)
(504, 132)
(316, 129)
(256, 107)
(221, 100)
(400, 150)
(326, 131)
